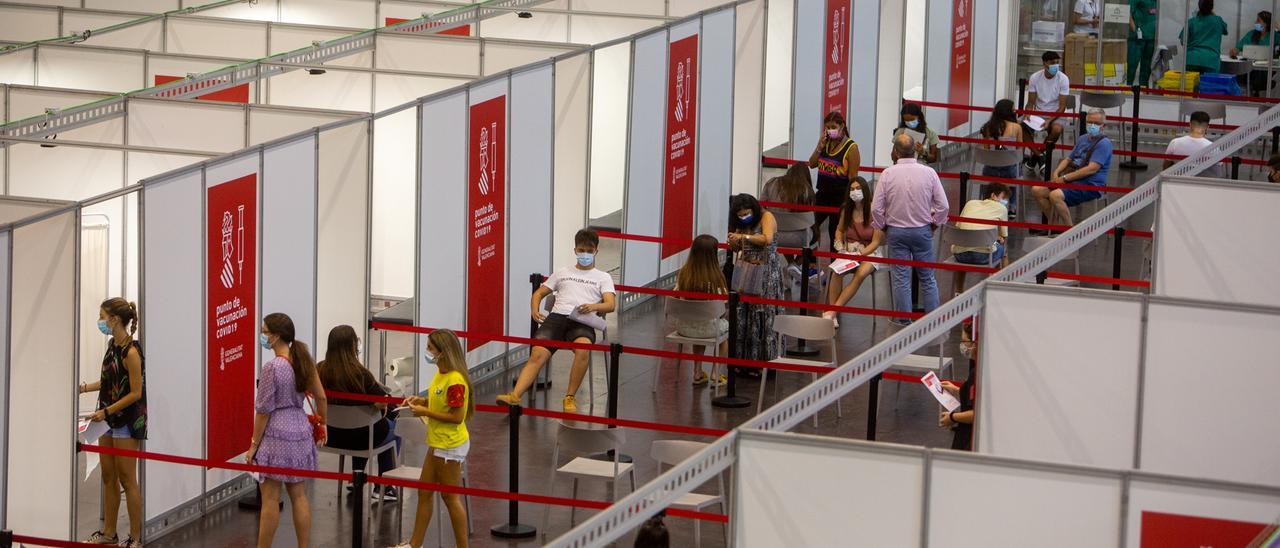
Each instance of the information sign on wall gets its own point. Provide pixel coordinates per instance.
(682, 124)
(232, 319)
(487, 180)
(961, 43)
(835, 85)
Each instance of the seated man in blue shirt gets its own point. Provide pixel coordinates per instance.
(1087, 164)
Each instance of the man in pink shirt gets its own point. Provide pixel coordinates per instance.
(909, 203)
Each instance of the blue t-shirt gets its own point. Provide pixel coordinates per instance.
(1101, 154)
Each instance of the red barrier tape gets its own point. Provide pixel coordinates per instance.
(492, 338)
(37, 541)
(205, 463)
(899, 377)
(1177, 93)
(1049, 114)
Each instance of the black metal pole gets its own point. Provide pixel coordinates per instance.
(1022, 93)
(1133, 162)
(1080, 126)
(1235, 167)
(1117, 253)
(6, 539)
(873, 407)
(964, 187)
(535, 281)
(1275, 140)
(802, 348)
(513, 528)
(732, 399)
(611, 408)
(1042, 276)
(358, 480)
(1048, 161)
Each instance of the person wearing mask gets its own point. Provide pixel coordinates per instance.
(837, 159)
(993, 207)
(446, 409)
(583, 294)
(912, 119)
(1262, 34)
(341, 371)
(122, 403)
(1088, 164)
(909, 204)
(1047, 91)
(960, 421)
(1273, 168)
(1193, 142)
(283, 437)
(1143, 15)
(701, 274)
(757, 271)
(1086, 17)
(1002, 126)
(854, 236)
(1203, 38)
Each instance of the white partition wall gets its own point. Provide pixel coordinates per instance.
(715, 126)
(488, 183)
(1223, 263)
(610, 92)
(290, 249)
(779, 38)
(645, 151)
(865, 67)
(1162, 513)
(572, 127)
(442, 231)
(807, 88)
(1059, 374)
(42, 362)
(6, 237)
(530, 187)
(342, 220)
(750, 23)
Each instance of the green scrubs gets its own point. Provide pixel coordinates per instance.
(1247, 40)
(1141, 50)
(1204, 43)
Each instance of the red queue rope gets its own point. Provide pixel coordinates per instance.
(751, 299)
(1055, 114)
(38, 541)
(1177, 93)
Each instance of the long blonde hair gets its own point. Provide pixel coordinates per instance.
(451, 359)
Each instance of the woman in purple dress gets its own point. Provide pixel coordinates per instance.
(282, 435)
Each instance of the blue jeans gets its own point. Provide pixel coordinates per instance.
(915, 244)
(980, 258)
(386, 459)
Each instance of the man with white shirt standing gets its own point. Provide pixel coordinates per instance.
(1047, 91)
(908, 204)
(1085, 16)
(1193, 142)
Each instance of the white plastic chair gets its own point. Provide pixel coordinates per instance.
(353, 417)
(413, 431)
(1031, 243)
(672, 452)
(693, 311)
(809, 328)
(588, 441)
(960, 237)
(548, 304)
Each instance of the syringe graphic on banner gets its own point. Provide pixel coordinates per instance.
(227, 277)
(493, 151)
(680, 91)
(688, 83)
(836, 42)
(484, 161)
(240, 243)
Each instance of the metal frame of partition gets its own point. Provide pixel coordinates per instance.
(631, 511)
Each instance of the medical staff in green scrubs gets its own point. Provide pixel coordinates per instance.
(1203, 39)
(1142, 40)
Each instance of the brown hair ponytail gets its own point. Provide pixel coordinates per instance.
(304, 366)
(126, 311)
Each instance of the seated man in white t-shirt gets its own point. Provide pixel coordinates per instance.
(583, 295)
(1193, 142)
(1047, 91)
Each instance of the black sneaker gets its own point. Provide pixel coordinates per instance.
(383, 494)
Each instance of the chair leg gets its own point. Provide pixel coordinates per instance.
(764, 379)
(815, 415)
(466, 504)
(573, 515)
(697, 533)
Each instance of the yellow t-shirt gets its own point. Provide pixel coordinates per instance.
(982, 209)
(448, 391)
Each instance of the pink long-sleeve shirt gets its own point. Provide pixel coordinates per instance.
(909, 195)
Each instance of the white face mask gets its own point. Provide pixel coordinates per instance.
(427, 355)
(855, 194)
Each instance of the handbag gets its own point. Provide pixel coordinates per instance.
(318, 430)
(748, 277)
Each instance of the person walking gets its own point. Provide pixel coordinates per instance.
(908, 205)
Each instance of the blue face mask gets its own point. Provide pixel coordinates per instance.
(913, 124)
(264, 340)
(428, 356)
(1004, 203)
(1053, 69)
(102, 326)
(1258, 27)
(1094, 129)
(746, 219)
(586, 259)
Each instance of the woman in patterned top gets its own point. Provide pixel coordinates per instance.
(836, 158)
(122, 402)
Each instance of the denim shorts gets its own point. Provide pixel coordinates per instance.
(980, 258)
(121, 433)
(453, 454)
(1074, 197)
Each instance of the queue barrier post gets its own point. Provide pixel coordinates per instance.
(1022, 93)
(1235, 167)
(1133, 162)
(1083, 116)
(1275, 140)
(615, 360)
(964, 187)
(1042, 276)
(873, 407)
(807, 260)
(358, 480)
(513, 528)
(1048, 161)
(731, 399)
(535, 281)
(6, 539)
(1117, 254)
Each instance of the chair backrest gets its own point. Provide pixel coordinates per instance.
(671, 452)
(1216, 111)
(974, 237)
(353, 416)
(997, 158)
(1071, 103)
(810, 328)
(788, 221)
(413, 434)
(1095, 99)
(595, 439)
(694, 310)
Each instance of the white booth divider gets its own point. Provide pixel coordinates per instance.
(532, 187)
(1213, 240)
(441, 229)
(573, 118)
(646, 148)
(609, 99)
(6, 237)
(750, 24)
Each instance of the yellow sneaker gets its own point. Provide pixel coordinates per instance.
(508, 399)
(570, 404)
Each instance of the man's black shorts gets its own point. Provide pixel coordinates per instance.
(558, 327)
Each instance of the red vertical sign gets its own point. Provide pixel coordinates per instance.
(232, 292)
(835, 81)
(682, 125)
(1176, 531)
(961, 40)
(486, 181)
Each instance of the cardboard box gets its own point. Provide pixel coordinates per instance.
(1082, 49)
(1047, 32)
(1112, 75)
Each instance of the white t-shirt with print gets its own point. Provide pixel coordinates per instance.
(1187, 146)
(575, 287)
(1049, 91)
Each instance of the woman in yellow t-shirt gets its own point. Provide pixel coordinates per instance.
(446, 410)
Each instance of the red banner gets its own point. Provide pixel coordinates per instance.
(232, 292)
(961, 43)
(835, 78)
(487, 181)
(234, 94)
(1177, 531)
(461, 30)
(682, 125)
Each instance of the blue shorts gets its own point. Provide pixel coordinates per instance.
(980, 258)
(121, 433)
(1075, 197)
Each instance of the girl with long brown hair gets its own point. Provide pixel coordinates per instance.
(837, 159)
(701, 273)
(341, 371)
(854, 235)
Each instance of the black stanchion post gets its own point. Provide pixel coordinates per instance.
(964, 187)
(535, 281)
(611, 408)
(1133, 162)
(1235, 167)
(513, 528)
(1117, 253)
(1042, 276)
(1022, 93)
(1048, 161)
(358, 480)
(873, 407)
(1275, 140)
(732, 399)
(6, 539)
(1080, 125)
(807, 260)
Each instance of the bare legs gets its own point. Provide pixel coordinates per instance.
(1053, 204)
(120, 474)
(838, 293)
(437, 470)
(270, 516)
(539, 356)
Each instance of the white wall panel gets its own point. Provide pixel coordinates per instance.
(1033, 378)
(266, 124)
(140, 36)
(449, 54)
(690, 7)
(18, 67)
(395, 155)
(983, 62)
(262, 10)
(28, 102)
(168, 124)
(530, 188)
(569, 211)
(716, 129)
(289, 236)
(595, 29)
(937, 63)
(542, 26)
(43, 363)
(888, 79)
(479, 94)
(334, 13)
(442, 229)
(221, 37)
(1171, 498)
(343, 202)
(639, 7)
(79, 68)
(865, 68)
(174, 336)
(1203, 353)
(68, 173)
(5, 239)
(1222, 263)
(147, 6)
(394, 89)
(140, 165)
(500, 56)
(160, 64)
(806, 98)
(645, 158)
(611, 74)
(291, 38)
(748, 94)
(335, 89)
(412, 9)
(779, 44)
(12, 209)
(27, 23)
(787, 492)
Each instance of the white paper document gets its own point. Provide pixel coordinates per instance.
(1034, 122)
(843, 266)
(90, 431)
(592, 320)
(934, 385)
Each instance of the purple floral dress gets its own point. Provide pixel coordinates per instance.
(287, 441)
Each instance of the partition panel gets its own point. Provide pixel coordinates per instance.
(291, 38)
(716, 124)
(808, 88)
(68, 173)
(610, 78)
(146, 36)
(865, 68)
(500, 56)
(25, 102)
(261, 10)
(1210, 510)
(1202, 352)
(140, 165)
(147, 6)
(342, 224)
(442, 221)
(222, 37)
(597, 29)
(82, 68)
(1034, 378)
(5, 265)
(1222, 263)
(173, 268)
(542, 26)
(449, 54)
(748, 96)
(984, 61)
(18, 67)
(169, 124)
(395, 155)
(40, 360)
(335, 89)
(266, 124)
(778, 78)
(937, 62)
(357, 13)
(174, 66)
(646, 147)
(533, 98)
(572, 115)
(27, 23)
(288, 225)
(488, 141)
(395, 89)
(638, 7)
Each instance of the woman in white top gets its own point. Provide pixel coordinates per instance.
(1085, 16)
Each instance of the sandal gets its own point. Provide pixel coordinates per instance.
(701, 379)
(99, 538)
